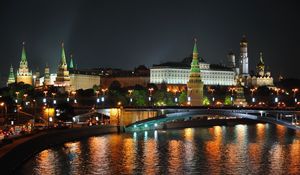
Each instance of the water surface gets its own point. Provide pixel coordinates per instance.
(240, 149)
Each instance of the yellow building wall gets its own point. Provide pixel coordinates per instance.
(81, 81)
(24, 79)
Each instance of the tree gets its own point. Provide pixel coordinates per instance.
(227, 100)
(115, 85)
(139, 97)
(96, 88)
(206, 101)
(182, 97)
(163, 98)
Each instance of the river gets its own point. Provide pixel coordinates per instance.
(240, 149)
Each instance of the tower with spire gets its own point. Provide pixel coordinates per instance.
(260, 67)
(36, 77)
(47, 81)
(244, 66)
(71, 65)
(11, 76)
(195, 84)
(63, 77)
(23, 74)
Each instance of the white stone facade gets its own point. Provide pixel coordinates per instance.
(172, 75)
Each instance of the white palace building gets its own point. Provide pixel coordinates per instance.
(178, 73)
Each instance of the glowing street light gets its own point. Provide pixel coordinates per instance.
(17, 96)
(232, 89)
(212, 93)
(295, 90)
(130, 92)
(104, 90)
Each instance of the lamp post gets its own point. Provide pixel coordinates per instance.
(130, 98)
(17, 96)
(118, 117)
(175, 96)
(103, 95)
(212, 93)
(252, 92)
(232, 89)
(53, 98)
(74, 96)
(295, 90)
(2, 104)
(97, 97)
(45, 96)
(150, 95)
(34, 112)
(277, 97)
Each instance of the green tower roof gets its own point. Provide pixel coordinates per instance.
(63, 55)
(195, 62)
(261, 61)
(23, 57)
(195, 50)
(71, 65)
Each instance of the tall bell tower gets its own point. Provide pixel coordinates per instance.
(244, 66)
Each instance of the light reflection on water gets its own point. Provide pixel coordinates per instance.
(240, 149)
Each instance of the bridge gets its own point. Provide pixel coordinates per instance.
(136, 119)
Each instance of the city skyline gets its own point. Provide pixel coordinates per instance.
(135, 38)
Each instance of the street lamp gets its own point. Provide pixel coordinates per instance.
(212, 93)
(74, 96)
(130, 92)
(119, 108)
(150, 94)
(295, 90)
(53, 96)
(232, 89)
(45, 97)
(2, 104)
(252, 92)
(17, 96)
(97, 96)
(103, 95)
(175, 95)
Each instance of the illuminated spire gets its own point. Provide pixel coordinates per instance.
(195, 50)
(23, 57)
(63, 55)
(261, 58)
(71, 65)
(195, 62)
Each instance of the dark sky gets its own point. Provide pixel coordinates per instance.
(125, 34)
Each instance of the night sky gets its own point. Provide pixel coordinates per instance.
(125, 34)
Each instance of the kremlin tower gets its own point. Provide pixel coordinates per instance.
(47, 81)
(195, 84)
(23, 74)
(63, 78)
(11, 77)
(260, 66)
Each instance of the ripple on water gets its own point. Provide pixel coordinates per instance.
(240, 149)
